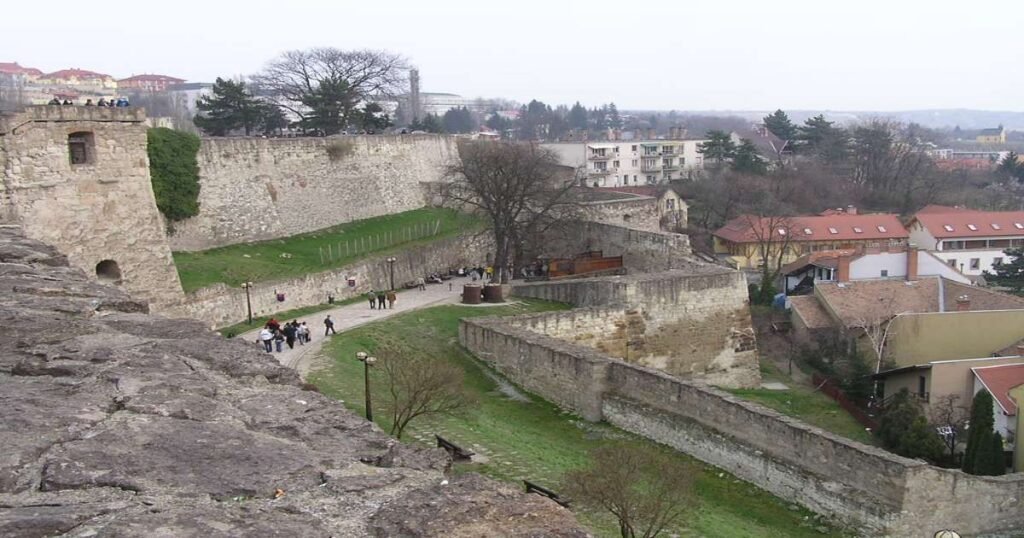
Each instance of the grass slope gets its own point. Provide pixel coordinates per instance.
(346, 243)
(525, 437)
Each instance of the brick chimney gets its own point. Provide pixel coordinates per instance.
(911, 262)
(963, 303)
(843, 269)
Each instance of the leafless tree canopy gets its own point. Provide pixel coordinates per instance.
(420, 385)
(648, 491)
(369, 74)
(519, 187)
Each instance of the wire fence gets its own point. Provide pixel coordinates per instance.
(332, 253)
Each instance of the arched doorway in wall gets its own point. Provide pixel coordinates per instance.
(108, 271)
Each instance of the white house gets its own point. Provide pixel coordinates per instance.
(863, 264)
(628, 163)
(971, 241)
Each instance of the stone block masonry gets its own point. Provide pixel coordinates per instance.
(873, 490)
(257, 188)
(642, 251)
(78, 178)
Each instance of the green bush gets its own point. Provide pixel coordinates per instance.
(174, 172)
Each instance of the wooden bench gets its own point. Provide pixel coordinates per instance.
(539, 490)
(457, 452)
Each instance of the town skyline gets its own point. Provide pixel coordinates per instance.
(795, 56)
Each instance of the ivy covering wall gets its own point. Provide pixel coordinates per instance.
(174, 171)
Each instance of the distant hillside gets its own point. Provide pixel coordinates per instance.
(951, 117)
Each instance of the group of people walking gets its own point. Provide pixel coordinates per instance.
(378, 297)
(274, 335)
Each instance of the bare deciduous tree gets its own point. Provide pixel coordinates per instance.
(519, 187)
(420, 385)
(300, 77)
(949, 417)
(647, 490)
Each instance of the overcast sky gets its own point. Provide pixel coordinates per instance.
(654, 54)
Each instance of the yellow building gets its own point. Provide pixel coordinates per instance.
(991, 136)
(747, 239)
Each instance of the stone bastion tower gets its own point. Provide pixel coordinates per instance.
(78, 178)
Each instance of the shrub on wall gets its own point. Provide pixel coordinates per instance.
(339, 149)
(174, 171)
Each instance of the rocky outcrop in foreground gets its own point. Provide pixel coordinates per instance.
(118, 423)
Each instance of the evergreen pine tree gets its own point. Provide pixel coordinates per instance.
(746, 159)
(995, 464)
(230, 106)
(1010, 273)
(778, 124)
(577, 117)
(718, 148)
(979, 437)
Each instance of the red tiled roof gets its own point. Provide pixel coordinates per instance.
(153, 78)
(957, 223)
(999, 380)
(744, 229)
(75, 73)
(14, 69)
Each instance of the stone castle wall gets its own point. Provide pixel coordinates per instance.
(258, 188)
(97, 211)
(867, 487)
(643, 251)
(636, 212)
(220, 305)
(691, 325)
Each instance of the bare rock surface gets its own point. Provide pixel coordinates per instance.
(118, 423)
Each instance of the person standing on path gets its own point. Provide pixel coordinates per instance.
(381, 296)
(267, 339)
(372, 297)
(278, 339)
(329, 326)
(392, 297)
(289, 331)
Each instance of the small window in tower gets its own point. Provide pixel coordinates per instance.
(81, 148)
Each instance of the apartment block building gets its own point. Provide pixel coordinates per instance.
(628, 163)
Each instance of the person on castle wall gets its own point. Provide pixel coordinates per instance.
(54, 101)
(304, 336)
(273, 325)
(392, 297)
(373, 299)
(381, 297)
(102, 102)
(122, 101)
(266, 338)
(67, 102)
(88, 102)
(329, 326)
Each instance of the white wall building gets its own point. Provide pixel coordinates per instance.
(825, 266)
(971, 241)
(628, 163)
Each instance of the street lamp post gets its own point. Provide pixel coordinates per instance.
(391, 263)
(248, 301)
(367, 362)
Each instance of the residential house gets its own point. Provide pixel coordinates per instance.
(148, 83)
(672, 209)
(971, 241)
(991, 136)
(952, 384)
(800, 275)
(743, 240)
(999, 381)
(630, 163)
(910, 321)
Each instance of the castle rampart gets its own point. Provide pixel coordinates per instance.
(78, 178)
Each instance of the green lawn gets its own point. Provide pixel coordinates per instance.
(523, 436)
(805, 403)
(317, 251)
